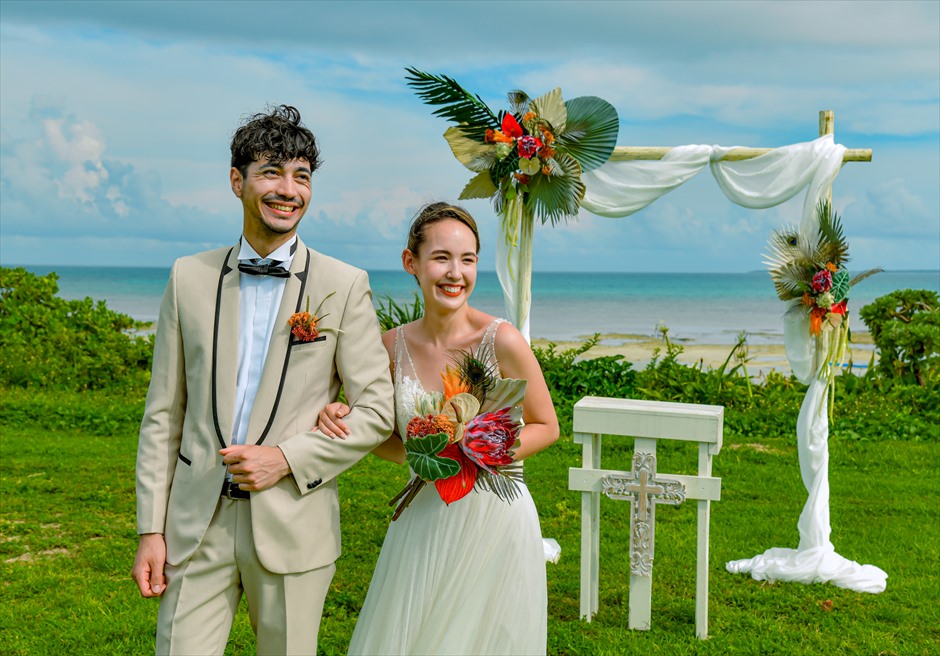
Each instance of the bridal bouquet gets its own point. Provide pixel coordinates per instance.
(463, 438)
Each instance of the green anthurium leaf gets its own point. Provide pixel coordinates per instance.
(591, 131)
(480, 186)
(556, 198)
(551, 108)
(422, 456)
(530, 166)
(840, 285)
(506, 393)
(474, 155)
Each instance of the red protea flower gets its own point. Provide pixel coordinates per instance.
(511, 127)
(528, 146)
(822, 281)
(489, 437)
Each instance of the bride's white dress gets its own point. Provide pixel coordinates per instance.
(468, 578)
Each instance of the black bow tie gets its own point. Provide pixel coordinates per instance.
(274, 268)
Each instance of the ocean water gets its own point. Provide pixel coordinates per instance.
(710, 308)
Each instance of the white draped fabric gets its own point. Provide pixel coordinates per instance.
(815, 560)
(618, 189)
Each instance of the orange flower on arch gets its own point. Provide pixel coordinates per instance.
(816, 317)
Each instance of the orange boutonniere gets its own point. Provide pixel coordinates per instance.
(303, 325)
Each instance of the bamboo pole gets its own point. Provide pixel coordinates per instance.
(826, 126)
(628, 153)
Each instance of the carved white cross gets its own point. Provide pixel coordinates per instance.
(645, 490)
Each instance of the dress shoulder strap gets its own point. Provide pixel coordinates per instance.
(402, 355)
(488, 343)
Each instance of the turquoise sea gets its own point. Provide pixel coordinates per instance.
(709, 308)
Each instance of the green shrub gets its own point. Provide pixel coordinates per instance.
(49, 342)
(905, 326)
(392, 314)
(569, 379)
(97, 412)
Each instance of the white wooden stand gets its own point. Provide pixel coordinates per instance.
(646, 422)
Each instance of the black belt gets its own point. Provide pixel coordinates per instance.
(232, 491)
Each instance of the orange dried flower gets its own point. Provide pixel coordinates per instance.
(546, 152)
(499, 137)
(816, 317)
(546, 170)
(547, 136)
(303, 326)
(453, 383)
(442, 425)
(421, 426)
(528, 116)
(832, 267)
(808, 300)
(522, 178)
(490, 136)
(429, 425)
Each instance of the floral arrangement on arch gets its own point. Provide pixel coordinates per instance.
(811, 276)
(535, 152)
(463, 438)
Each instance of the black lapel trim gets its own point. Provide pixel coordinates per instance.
(215, 347)
(302, 276)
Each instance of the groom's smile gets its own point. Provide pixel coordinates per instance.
(274, 195)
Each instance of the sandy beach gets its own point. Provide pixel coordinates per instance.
(763, 358)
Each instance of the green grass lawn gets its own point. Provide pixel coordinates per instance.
(67, 541)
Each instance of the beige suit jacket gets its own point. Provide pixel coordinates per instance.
(190, 406)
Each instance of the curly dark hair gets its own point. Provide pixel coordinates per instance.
(278, 136)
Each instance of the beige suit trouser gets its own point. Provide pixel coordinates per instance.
(199, 605)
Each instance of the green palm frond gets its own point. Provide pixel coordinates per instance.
(556, 198)
(831, 246)
(591, 129)
(865, 274)
(457, 104)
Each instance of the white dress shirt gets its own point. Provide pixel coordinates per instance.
(259, 301)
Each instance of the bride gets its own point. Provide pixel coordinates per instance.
(468, 578)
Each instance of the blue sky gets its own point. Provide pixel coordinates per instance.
(115, 120)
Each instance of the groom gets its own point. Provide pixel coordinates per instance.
(235, 493)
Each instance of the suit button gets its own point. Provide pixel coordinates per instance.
(313, 484)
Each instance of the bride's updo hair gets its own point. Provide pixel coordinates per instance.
(433, 213)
